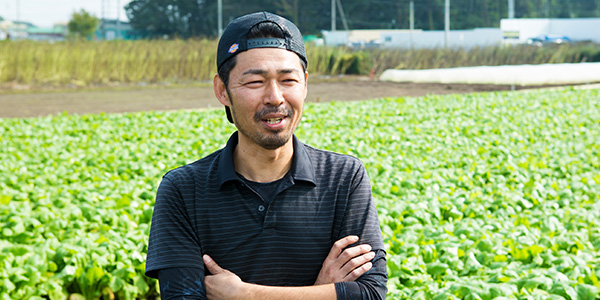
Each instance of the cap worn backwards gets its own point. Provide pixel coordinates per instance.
(235, 37)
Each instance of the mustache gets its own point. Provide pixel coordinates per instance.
(260, 115)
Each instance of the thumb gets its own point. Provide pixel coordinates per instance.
(211, 265)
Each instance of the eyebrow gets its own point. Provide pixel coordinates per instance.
(263, 72)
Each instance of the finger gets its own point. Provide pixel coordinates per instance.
(353, 252)
(352, 276)
(357, 262)
(340, 244)
(211, 265)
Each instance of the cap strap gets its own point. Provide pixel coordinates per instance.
(267, 43)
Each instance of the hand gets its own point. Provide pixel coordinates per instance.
(222, 284)
(347, 265)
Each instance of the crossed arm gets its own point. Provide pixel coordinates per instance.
(341, 265)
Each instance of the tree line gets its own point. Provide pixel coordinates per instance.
(198, 18)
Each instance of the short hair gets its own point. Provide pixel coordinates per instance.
(265, 29)
(261, 30)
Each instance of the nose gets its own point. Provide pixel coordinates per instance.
(273, 94)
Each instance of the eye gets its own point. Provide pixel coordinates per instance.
(254, 83)
(290, 80)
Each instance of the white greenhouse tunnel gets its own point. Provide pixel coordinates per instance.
(520, 75)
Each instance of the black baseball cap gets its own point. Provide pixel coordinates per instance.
(234, 39)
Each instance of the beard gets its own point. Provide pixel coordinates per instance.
(274, 139)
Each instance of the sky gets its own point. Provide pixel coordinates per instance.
(46, 13)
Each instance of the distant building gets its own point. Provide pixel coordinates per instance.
(511, 31)
(519, 31)
(10, 30)
(111, 30)
(16, 30)
(106, 30)
(56, 33)
(417, 39)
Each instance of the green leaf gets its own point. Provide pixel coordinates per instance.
(586, 292)
(436, 269)
(5, 199)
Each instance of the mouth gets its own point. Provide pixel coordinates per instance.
(275, 118)
(274, 121)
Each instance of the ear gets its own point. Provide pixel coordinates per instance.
(220, 90)
(305, 84)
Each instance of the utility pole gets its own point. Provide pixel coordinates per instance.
(412, 21)
(220, 17)
(296, 14)
(102, 28)
(18, 18)
(511, 9)
(19, 27)
(332, 15)
(118, 35)
(447, 23)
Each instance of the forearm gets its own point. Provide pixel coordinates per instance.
(370, 286)
(262, 292)
(224, 284)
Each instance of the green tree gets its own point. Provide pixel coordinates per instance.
(173, 18)
(198, 18)
(82, 24)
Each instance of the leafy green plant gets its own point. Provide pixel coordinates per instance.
(480, 196)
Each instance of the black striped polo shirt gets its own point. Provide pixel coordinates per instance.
(206, 208)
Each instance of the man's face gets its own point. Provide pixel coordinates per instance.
(267, 88)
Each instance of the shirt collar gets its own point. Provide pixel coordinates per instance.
(302, 168)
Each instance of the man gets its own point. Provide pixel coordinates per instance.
(266, 217)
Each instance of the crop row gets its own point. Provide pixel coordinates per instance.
(481, 196)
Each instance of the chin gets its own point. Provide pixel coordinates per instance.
(275, 142)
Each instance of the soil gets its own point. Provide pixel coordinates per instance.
(18, 104)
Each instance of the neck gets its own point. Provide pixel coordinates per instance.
(262, 165)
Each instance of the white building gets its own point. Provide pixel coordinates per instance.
(511, 31)
(517, 31)
(14, 30)
(479, 37)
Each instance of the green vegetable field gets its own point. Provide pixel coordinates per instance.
(480, 196)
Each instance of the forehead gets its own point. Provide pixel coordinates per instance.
(267, 59)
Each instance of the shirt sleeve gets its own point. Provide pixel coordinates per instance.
(361, 219)
(181, 283)
(173, 242)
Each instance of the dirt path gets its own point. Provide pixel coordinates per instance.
(131, 99)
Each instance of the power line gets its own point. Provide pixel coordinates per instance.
(339, 3)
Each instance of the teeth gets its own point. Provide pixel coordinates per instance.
(274, 121)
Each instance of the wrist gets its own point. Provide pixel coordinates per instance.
(248, 291)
